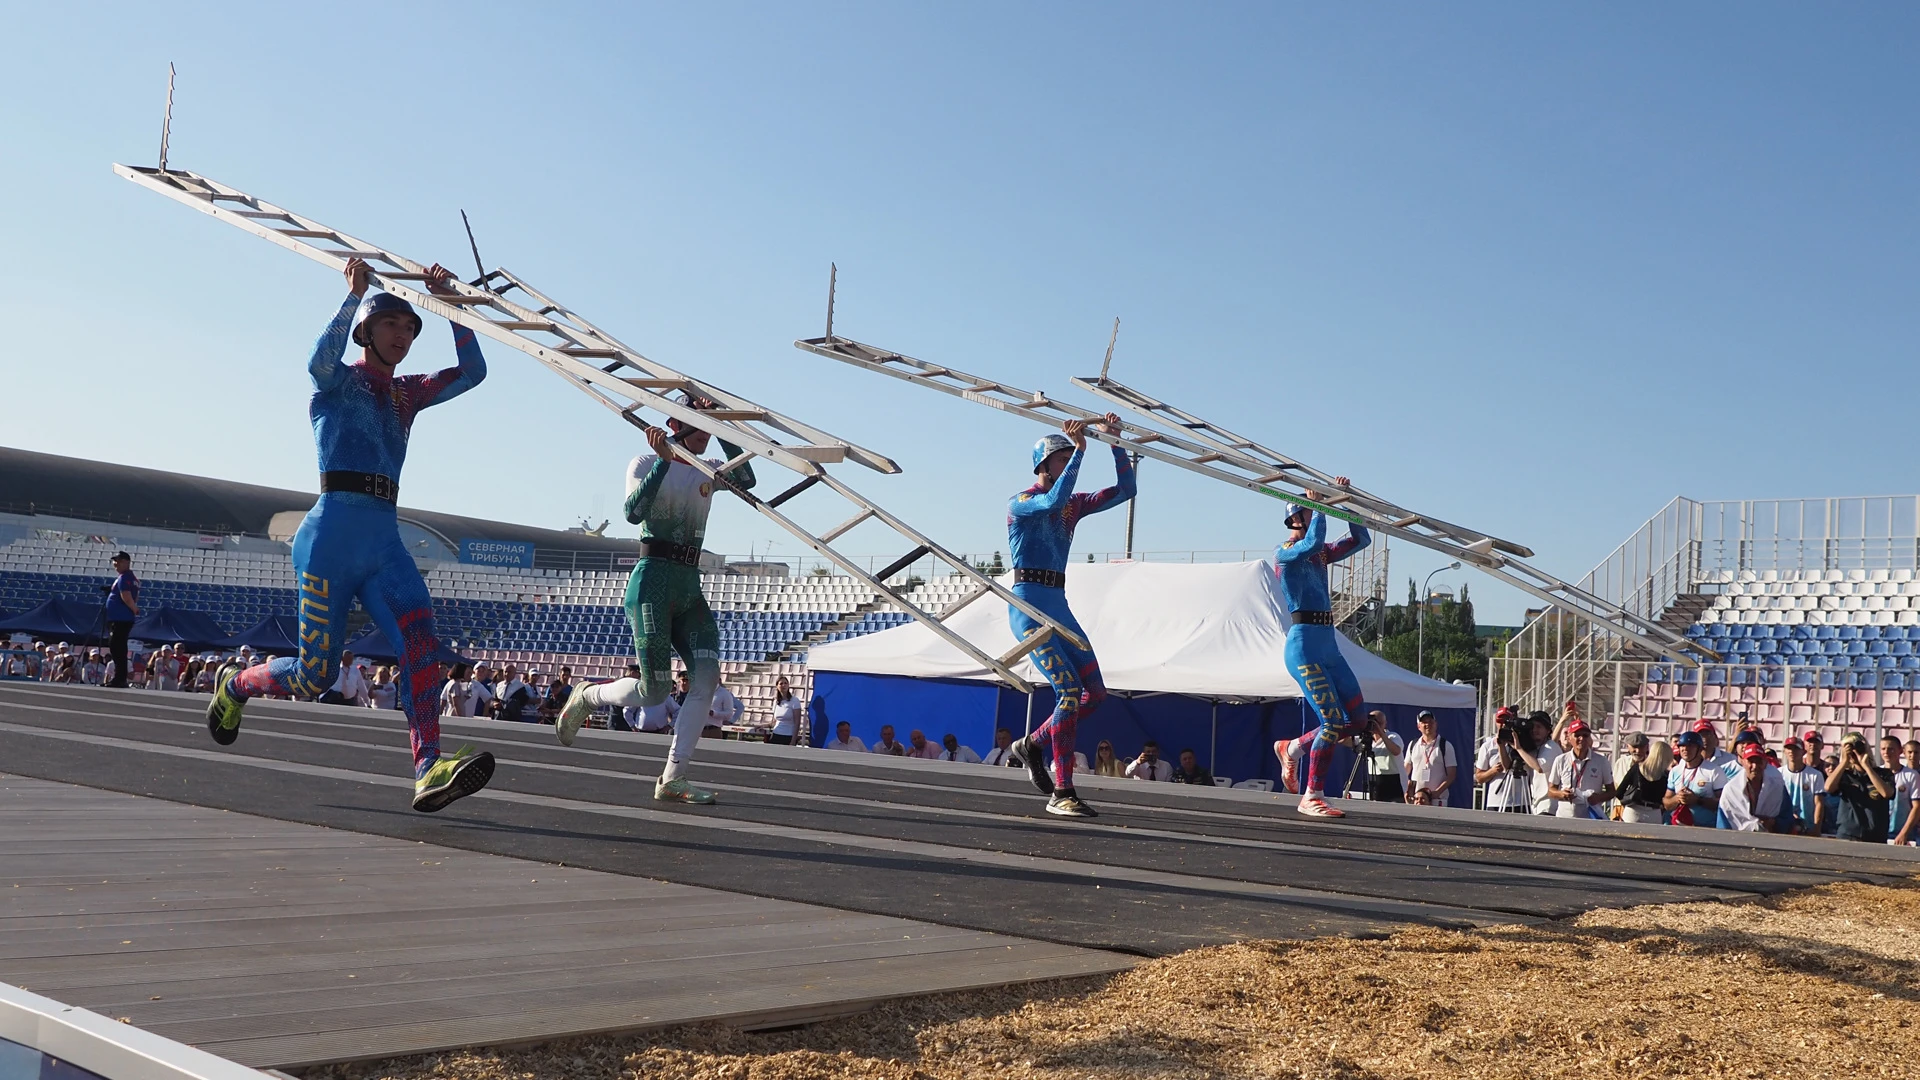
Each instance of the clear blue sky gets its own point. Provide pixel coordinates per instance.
(1536, 268)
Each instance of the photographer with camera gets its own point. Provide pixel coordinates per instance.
(1513, 758)
(1863, 790)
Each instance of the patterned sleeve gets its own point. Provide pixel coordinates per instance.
(1123, 489)
(326, 364)
(426, 391)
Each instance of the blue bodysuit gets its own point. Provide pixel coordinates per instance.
(1040, 528)
(349, 544)
(1313, 650)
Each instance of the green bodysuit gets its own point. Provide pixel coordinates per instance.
(668, 612)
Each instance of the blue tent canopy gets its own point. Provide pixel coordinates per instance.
(276, 634)
(166, 626)
(373, 645)
(66, 620)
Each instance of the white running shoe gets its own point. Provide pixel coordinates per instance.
(572, 716)
(1316, 806)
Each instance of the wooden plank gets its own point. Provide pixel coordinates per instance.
(280, 944)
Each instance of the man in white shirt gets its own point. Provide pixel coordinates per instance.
(1002, 752)
(1753, 800)
(1149, 765)
(1805, 786)
(725, 706)
(1431, 767)
(1717, 756)
(886, 745)
(352, 683)
(1906, 792)
(1579, 777)
(652, 719)
(482, 689)
(951, 750)
(844, 739)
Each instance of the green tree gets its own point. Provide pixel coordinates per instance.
(1452, 649)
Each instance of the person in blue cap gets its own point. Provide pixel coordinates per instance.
(1040, 524)
(1313, 649)
(349, 544)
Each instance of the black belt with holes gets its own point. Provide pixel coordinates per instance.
(1052, 579)
(362, 483)
(1313, 618)
(680, 553)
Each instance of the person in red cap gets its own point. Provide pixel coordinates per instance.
(1579, 778)
(1693, 786)
(1717, 756)
(1753, 801)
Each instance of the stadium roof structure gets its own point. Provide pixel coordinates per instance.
(33, 482)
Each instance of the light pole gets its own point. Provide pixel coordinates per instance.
(1420, 618)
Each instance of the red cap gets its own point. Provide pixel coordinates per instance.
(1703, 726)
(1576, 726)
(1793, 741)
(1811, 735)
(1752, 750)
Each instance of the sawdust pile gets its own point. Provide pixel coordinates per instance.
(1824, 982)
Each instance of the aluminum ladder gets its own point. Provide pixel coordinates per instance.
(624, 381)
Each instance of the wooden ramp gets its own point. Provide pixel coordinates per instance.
(278, 944)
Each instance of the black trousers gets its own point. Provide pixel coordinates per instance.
(117, 644)
(780, 740)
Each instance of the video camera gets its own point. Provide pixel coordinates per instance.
(1513, 729)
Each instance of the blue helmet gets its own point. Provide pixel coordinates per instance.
(381, 303)
(1049, 446)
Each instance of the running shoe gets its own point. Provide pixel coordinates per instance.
(451, 778)
(572, 716)
(1065, 803)
(681, 792)
(1289, 766)
(223, 712)
(1316, 806)
(1030, 755)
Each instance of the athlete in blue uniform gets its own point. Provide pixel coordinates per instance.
(1040, 525)
(1313, 648)
(349, 545)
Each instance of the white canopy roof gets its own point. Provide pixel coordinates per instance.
(1207, 630)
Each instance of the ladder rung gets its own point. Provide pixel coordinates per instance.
(1027, 644)
(954, 608)
(796, 489)
(1337, 498)
(846, 526)
(591, 354)
(264, 214)
(465, 301)
(735, 414)
(659, 384)
(1271, 477)
(1407, 522)
(1204, 458)
(349, 253)
(520, 324)
(1151, 436)
(903, 562)
(308, 232)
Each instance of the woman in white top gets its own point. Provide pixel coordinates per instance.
(456, 699)
(786, 714)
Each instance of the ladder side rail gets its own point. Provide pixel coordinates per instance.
(1268, 460)
(641, 362)
(1529, 579)
(462, 314)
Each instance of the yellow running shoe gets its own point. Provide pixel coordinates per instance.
(572, 716)
(223, 713)
(450, 778)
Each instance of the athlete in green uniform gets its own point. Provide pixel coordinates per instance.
(669, 499)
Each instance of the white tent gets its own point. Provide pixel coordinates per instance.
(1215, 630)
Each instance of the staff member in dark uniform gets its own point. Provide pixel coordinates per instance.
(123, 606)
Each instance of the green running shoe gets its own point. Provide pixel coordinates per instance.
(572, 715)
(223, 713)
(450, 778)
(681, 792)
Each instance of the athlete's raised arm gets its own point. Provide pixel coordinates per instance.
(328, 363)
(1309, 545)
(741, 477)
(1123, 482)
(642, 488)
(471, 367)
(1057, 495)
(1357, 535)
